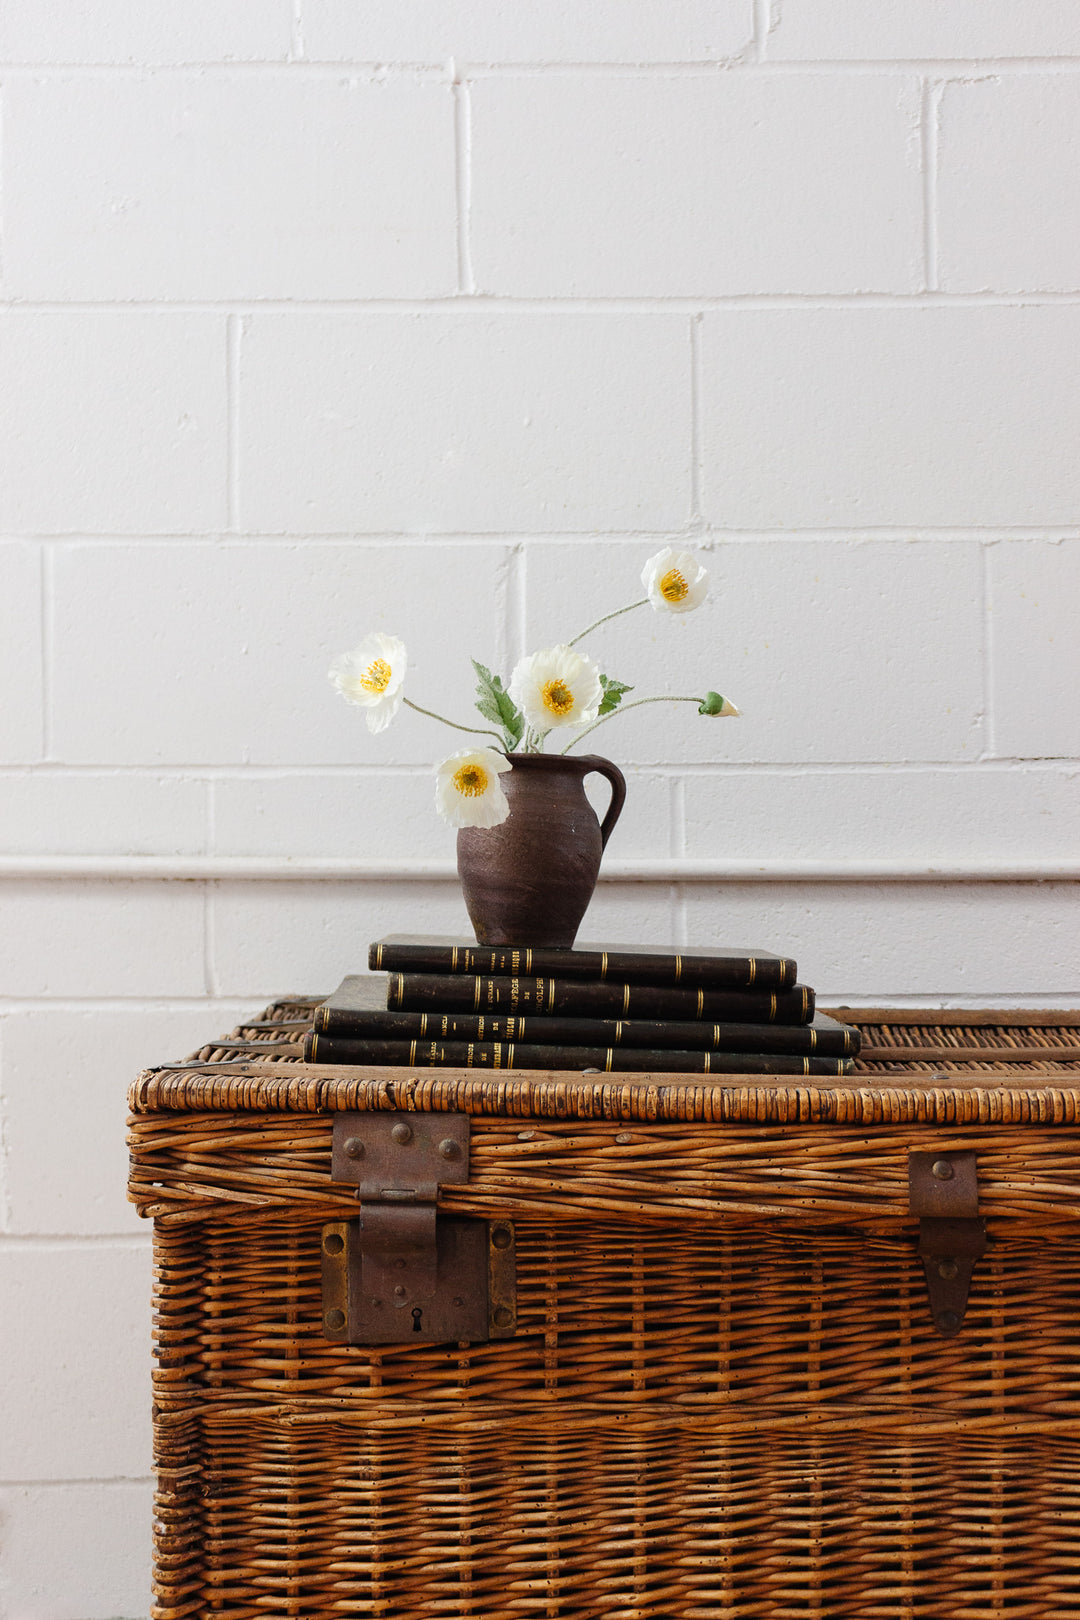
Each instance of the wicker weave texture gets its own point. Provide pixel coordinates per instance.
(725, 1397)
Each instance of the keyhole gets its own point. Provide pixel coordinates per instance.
(416, 1315)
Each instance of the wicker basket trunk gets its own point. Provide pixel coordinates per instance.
(725, 1394)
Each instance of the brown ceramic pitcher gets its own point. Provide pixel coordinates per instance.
(529, 880)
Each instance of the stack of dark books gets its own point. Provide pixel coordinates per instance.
(433, 1002)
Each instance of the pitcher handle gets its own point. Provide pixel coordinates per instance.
(617, 783)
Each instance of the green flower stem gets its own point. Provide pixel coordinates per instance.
(637, 704)
(479, 731)
(628, 609)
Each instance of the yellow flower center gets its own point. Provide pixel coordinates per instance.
(558, 697)
(376, 678)
(471, 781)
(673, 586)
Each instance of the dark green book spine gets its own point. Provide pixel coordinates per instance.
(831, 1039)
(429, 1054)
(733, 972)
(428, 992)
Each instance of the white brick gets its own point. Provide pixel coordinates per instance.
(456, 423)
(1009, 168)
(990, 941)
(77, 1066)
(117, 423)
(833, 650)
(86, 814)
(273, 939)
(1034, 595)
(21, 735)
(127, 31)
(238, 188)
(104, 1534)
(716, 185)
(852, 30)
(227, 658)
(89, 938)
(928, 814)
(383, 815)
(933, 417)
(75, 1361)
(530, 31)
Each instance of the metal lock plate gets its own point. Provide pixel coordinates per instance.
(944, 1193)
(401, 1270)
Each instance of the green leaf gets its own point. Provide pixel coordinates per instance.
(496, 705)
(613, 691)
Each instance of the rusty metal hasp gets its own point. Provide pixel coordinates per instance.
(401, 1269)
(944, 1194)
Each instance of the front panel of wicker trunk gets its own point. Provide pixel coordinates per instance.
(725, 1396)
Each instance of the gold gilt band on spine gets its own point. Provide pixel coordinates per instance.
(772, 1009)
(476, 998)
(618, 1031)
(453, 959)
(708, 1063)
(603, 964)
(394, 992)
(378, 956)
(753, 971)
(813, 1040)
(314, 1047)
(626, 998)
(609, 1060)
(678, 969)
(412, 1051)
(700, 1002)
(805, 1002)
(806, 1065)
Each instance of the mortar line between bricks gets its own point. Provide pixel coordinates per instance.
(930, 112)
(485, 304)
(989, 691)
(296, 42)
(696, 519)
(463, 186)
(379, 73)
(88, 540)
(262, 771)
(46, 582)
(234, 339)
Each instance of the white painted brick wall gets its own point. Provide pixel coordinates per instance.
(318, 317)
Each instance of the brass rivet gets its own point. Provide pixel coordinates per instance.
(503, 1317)
(948, 1320)
(335, 1320)
(354, 1148)
(947, 1269)
(501, 1237)
(449, 1149)
(942, 1169)
(401, 1133)
(333, 1242)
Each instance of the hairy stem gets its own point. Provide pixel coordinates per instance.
(595, 625)
(637, 704)
(478, 731)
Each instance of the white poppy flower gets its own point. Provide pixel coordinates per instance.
(557, 687)
(468, 792)
(675, 581)
(371, 676)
